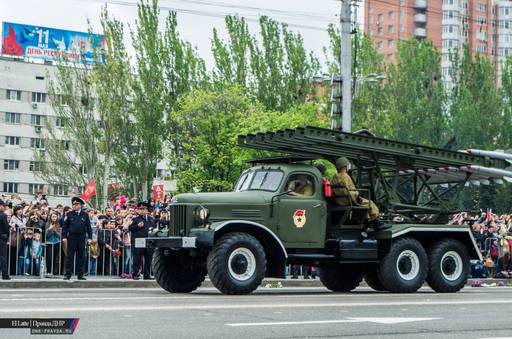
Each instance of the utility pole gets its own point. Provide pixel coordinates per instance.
(346, 66)
(341, 97)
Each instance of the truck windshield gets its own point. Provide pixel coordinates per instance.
(264, 180)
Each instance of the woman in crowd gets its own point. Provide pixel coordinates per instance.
(53, 247)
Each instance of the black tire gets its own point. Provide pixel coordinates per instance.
(372, 279)
(232, 274)
(341, 277)
(405, 267)
(178, 273)
(448, 274)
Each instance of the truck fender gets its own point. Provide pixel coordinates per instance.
(274, 248)
(426, 234)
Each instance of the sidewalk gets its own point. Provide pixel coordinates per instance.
(96, 282)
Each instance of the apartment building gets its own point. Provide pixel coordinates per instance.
(24, 110)
(485, 25)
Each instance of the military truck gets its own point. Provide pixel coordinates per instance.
(238, 238)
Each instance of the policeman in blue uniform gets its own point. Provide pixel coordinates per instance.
(77, 228)
(139, 229)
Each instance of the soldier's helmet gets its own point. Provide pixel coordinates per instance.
(341, 162)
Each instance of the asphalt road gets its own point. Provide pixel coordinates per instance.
(268, 313)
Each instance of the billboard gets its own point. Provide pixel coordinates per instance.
(49, 43)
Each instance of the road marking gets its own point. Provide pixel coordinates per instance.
(348, 320)
(216, 306)
(100, 298)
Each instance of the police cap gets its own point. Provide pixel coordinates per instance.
(79, 200)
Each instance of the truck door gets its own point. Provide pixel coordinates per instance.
(302, 212)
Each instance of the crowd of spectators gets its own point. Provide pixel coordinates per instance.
(35, 246)
(493, 235)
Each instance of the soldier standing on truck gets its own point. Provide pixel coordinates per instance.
(347, 195)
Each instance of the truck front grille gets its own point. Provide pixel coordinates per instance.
(178, 219)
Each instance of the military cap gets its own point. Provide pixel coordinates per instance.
(77, 200)
(143, 204)
(341, 162)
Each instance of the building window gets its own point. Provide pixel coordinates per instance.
(391, 15)
(447, 2)
(12, 140)
(449, 15)
(481, 7)
(379, 30)
(13, 95)
(481, 48)
(35, 188)
(370, 19)
(12, 118)
(390, 43)
(35, 166)
(481, 20)
(402, 13)
(11, 165)
(380, 18)
(379, 44)
(59, 122)
(35, 119)
(64, 144)
(60, 190)
(10, 187)
(39, 97)
(505, 10)
(402, 28)
(36, 143)
(402, 2)
(391, 29)
(370, 32)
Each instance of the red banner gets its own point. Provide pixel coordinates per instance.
(158, 192)
(89, 190)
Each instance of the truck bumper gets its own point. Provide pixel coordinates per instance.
(166, 242)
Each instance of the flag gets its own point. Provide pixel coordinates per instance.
(89, 190)
(158, 192)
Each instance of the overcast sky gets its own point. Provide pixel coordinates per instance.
(196, 18)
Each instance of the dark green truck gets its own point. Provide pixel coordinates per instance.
(238, 238)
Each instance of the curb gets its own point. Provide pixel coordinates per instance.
(122, 283)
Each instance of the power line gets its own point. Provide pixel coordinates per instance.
(201, 13)
(310, 16)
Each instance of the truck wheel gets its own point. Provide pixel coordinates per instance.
(178, 273)
(341, 278)
(372, 279)
(449, 266)
(405, 267)
(237, 264)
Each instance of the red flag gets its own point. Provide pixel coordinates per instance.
(89, 190)
(158, 192)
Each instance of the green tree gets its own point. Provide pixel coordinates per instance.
(70, 156)
(275, 68)
(210, 121)
(112, 77)
(475, 103)
(149, 91)
(415, 94)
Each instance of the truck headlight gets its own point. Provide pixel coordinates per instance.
(204, 213)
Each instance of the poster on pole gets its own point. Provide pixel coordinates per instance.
(49, 43)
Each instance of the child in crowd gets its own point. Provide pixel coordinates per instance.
(24, 252)
(36, 250)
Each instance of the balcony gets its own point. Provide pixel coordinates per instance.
(420, 33)
(420, 4)
(420, 18)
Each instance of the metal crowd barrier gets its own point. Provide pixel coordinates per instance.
(109, 254)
